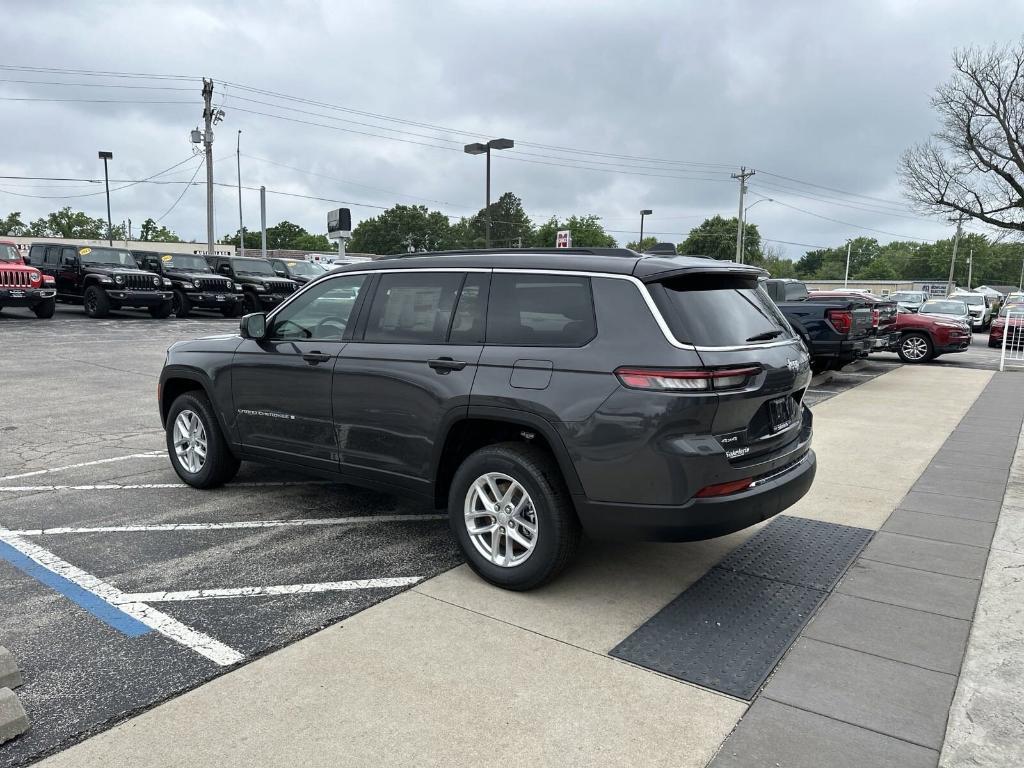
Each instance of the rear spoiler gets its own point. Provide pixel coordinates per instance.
(655, 268)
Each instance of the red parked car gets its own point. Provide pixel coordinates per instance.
(883, 316)
(998, 327)
(920, 338)
(22, 285)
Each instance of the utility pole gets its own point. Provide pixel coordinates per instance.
(129, 229)
(208, 145)
(743, 175)
(970, 269)
(238, 164)
(263, 221)
(952, 262)
(846, 279)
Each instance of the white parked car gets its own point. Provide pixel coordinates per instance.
(978, 305)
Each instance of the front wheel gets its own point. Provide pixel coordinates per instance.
(44, 309)
(180, 304)
(250, 303)
(195, 443)
(96, 301)
(234, 310)
(512, 515)
(161, 310)
(915, 348)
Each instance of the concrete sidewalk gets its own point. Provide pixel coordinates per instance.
(456, 672)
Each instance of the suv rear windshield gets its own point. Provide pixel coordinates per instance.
(719, 310)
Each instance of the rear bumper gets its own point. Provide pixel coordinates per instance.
(25, 297)
(140, 298)
(883, 341)
(699, 518)
(842, 351)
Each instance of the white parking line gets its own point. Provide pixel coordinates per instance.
(279, 589)
(233, 525)
(150, 486)
(146, 455)
(173, 629)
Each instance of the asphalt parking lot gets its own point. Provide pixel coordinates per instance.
(225, 576)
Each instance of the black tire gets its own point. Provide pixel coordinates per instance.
(161, 310)
(558, 529)
(235, 310)
(250, 303)
(44, 309)
(221, 464)
(993, 344)
(96, 302)
(915, 348)
(180, 305)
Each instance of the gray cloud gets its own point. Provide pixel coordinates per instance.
(824, 92)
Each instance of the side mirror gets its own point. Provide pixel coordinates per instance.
(253, 326)
(26, 260)
(280, 273)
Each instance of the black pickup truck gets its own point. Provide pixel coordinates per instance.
(836, 330)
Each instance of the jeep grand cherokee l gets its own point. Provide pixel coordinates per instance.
(534, 394)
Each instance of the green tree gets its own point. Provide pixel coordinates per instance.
(510, 225)
(587, 232)
(400, 228)
(648, 242)
(716, 237)
(69, 223)
(285, 235)
(154, 233)
(253, 240)
(12, 225)
(776, 264)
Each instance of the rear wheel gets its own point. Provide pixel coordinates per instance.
(195, 443)
(915, 348)
(180, 304)
(512, 515)
(45, 309)
(96, 302)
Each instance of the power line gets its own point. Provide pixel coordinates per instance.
(130, 183)
(98, 85)
(186, 188)
(93, 101)
(855, 226)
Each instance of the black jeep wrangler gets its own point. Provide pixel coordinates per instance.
(196, 286)
(102, 278)
(534, 394)
(262, 289)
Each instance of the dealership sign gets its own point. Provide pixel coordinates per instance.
(563, 239)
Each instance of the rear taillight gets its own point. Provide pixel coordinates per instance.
(724, 489)
(841, 319)
(685, 380)
(874, 317)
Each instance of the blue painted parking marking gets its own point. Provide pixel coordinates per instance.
(98, 607)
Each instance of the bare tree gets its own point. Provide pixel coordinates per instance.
(974, 164)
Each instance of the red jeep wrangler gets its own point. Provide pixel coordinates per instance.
(22, 285)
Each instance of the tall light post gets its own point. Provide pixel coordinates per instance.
(105, 156)
(644, 212)
(743, 225)
(846, 279)
(238, 164)
(480, 149)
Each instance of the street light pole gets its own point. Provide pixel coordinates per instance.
(480, 149)
(743, 229)
(640, 242)
(846, 279)
(238, 164)
(105, 156)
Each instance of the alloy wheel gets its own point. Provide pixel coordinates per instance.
(189, 440)
(501, 519)
(915, 348)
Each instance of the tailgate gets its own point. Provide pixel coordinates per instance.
(863, 322)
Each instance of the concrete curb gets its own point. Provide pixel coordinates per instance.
(10, 675)
(13, 720)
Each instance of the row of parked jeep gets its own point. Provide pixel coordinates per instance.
(102, 278)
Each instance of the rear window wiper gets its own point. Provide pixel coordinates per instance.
(766, 336)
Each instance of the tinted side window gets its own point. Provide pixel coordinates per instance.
(413, 308)
(321, 313)
(540, 311)
(468, 325)
(52, 255)
(68, 256)
(36, 255)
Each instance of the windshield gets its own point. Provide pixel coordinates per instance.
(304, 268)
(252, 267)
(110, 257)
(720, 310)
(944, 308)
(1017, 309)
(9, 253)
(186, 261)
(971, 299)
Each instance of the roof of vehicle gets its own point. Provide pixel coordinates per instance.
(615, 261)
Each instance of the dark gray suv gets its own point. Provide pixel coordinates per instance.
(534, 394)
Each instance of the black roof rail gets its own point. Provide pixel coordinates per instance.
(500, 251)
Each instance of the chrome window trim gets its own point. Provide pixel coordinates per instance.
(640, 286)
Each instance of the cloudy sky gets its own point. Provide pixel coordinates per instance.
(370, 104)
